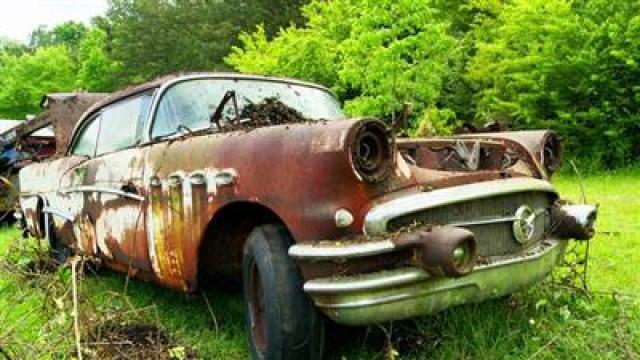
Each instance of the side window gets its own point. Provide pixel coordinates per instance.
(189, 104)
(123, 124)
(85, 144)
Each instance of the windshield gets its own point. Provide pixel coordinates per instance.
(191, 103)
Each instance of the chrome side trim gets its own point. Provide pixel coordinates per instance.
(376, 220)
(411, 275)
(59, 212)
(374, 281)
(334, 250)
(101, 189)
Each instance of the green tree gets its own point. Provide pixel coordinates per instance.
(156, 37)
(96, 70)
(24, 79)
(374, 54)
(69, 33)
(566, 66)
(11, 47)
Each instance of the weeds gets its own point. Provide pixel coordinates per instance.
(50, 305)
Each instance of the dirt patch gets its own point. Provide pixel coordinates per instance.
(268, 112)
(133, 341)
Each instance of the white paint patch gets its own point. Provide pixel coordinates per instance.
(403, 168)
(114, 223)
(583, 214)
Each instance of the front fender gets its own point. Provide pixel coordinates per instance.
(543, 147)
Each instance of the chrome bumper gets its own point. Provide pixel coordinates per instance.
(409, 292)
(412, 291)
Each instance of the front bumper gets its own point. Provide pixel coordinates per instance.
(413, 288)
(409, 292)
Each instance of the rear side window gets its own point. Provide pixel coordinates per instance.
(123, 124)
(86, 143)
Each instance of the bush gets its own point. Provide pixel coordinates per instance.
(569, 67)
(25, 78)
(376, 55)
(572, 66)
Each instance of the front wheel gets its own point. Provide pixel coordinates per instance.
(281, 321)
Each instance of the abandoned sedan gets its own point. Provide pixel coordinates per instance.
(195, 179)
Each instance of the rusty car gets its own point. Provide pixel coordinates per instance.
(191, 180)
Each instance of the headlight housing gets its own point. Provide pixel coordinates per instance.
(373, 150)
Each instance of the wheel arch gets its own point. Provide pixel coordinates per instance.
(219, 253)
(33, 211)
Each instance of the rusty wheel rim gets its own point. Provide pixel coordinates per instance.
(257, 308)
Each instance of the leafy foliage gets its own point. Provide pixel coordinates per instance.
(135, 41)
(567, 65)
(69, 33)
(375, 54)
(573, 68)
(157, 37)
(97, 71)
(8, 46)
(24, 79)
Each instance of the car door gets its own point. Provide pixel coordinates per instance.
(112, 185)
(181, 191)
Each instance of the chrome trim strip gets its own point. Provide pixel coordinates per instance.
(101, 189)
(198, 178)
(376, 220)
(495, 220)
(396, 297)
(411, 275)
(334, 250)
(374, 281)
(59, 212)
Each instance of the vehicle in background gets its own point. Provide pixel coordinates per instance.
(33, 140)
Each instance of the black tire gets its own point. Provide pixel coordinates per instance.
(281, 321)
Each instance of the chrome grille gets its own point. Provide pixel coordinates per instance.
(494, 238)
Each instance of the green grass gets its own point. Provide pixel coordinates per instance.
(545, 322)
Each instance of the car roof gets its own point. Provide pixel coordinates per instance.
(172, 78)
